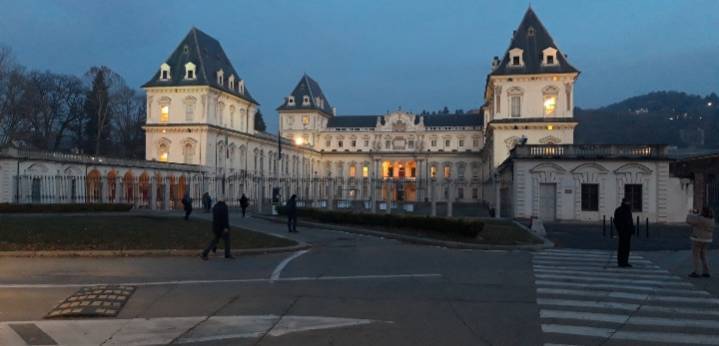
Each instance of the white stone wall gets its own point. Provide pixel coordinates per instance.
(505, 136)
(665, 199)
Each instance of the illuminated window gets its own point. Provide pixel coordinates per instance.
(550, 104)
(353, 171)
(516, 106)
(447, 171)
(164, 152)
(305, 120)
(165, 113)
(365, 171)
(433, 171)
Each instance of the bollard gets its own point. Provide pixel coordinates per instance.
(604, 226)
(611, 227)
(646, 227)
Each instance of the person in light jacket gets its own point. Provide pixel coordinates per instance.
(701, 236)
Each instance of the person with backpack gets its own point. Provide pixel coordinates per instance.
(220, 229)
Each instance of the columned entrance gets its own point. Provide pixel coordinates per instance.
(404, 175)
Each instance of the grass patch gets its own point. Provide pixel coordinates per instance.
(118, 232)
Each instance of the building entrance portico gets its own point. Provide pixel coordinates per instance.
(401, 176)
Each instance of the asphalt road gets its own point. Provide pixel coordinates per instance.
(351, 290)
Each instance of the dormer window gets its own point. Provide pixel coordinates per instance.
(530, 31)
(241, 87)
(290, 100)
(221, 77)
(190, 71)
(549, 56)
(515, 57)
(164, 72)
(306, 100)
(231, 80)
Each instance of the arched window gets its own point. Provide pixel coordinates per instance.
(515, 101)
(220, 77)
(550, 100)
(164, 72)
(231, 80)
(306, 100)
(188, 152)
(165, 109)
(163, 152)
(190, 73)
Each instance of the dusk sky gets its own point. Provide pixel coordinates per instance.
(373, 56)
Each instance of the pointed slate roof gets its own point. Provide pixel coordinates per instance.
(308, 87)
(208, 56)
(532, 37)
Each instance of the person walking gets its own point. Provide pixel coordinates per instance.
(292, 214)
(625, 228)
(187, 205)
(209, 203)
(702, 235)
(244, 203)
(220, 229)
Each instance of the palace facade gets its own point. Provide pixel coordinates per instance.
(515, 154)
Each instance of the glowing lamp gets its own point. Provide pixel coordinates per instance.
(299, 141)
(550, 127)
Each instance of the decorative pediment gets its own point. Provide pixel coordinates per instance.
(399, 126)
(550, 140)
(548, 167)
(591, 166)
(633, 168)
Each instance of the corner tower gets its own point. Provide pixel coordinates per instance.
(305, 112)
(529, 93)
(196, 102)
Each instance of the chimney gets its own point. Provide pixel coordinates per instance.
(334, 111)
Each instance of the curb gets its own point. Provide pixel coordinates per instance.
(145, 253)
(547, 244)
(415, 240)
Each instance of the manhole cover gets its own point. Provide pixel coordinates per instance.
(93, 301)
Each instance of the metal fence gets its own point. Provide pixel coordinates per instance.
(166, 192)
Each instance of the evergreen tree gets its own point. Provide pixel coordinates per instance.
(97, 112)
(259, 122)
(445, 110)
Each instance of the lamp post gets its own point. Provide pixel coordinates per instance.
(497, 199)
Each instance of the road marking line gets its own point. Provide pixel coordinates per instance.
(612, 268)
(630, 335)
(628, 319)
(586, 260)
(603, 274)
(618, 281)
(278, 270)
(630, 296)
(587, 256)
(199, 282)
(609, 305)
(613, 286)
(607, 264)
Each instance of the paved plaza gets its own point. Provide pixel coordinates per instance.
(350, 289)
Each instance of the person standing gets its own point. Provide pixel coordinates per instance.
(292, 214)
(220, 229)
(702, 235)
(625, 228)
(187, 205)
(244, 203)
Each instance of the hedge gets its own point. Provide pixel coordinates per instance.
(452, 227)
(63, 208)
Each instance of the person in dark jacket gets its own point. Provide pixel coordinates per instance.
(187, 205)
(244, 203)
(625, 228)
(292, 214)
(220, 229)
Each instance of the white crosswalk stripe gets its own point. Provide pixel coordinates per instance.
(582, 296)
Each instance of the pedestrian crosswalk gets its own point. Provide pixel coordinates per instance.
(584, 299)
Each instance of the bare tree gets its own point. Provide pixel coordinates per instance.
(12, 83)
(127, 123)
